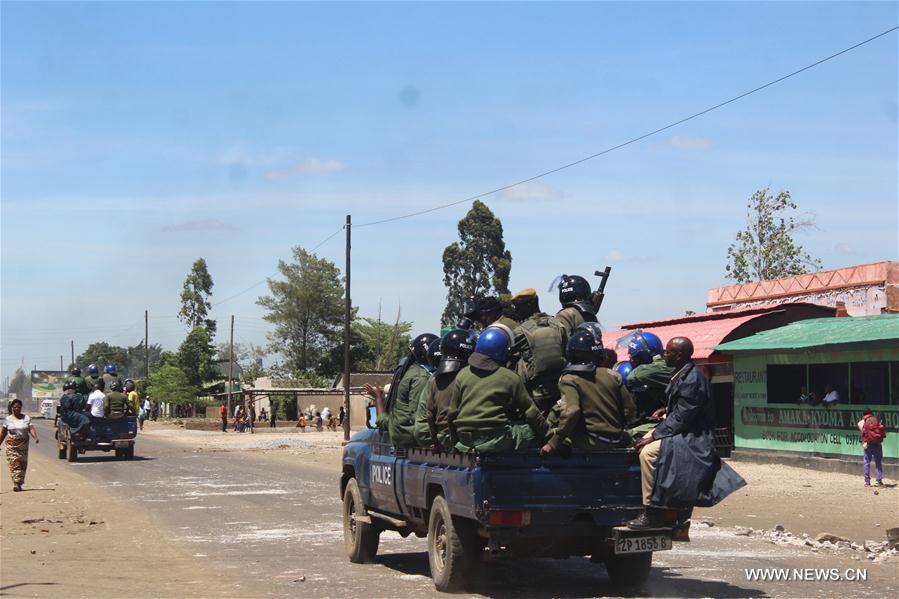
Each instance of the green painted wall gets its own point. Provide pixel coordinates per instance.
(804, 429)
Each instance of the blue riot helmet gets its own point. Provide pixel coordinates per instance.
(642, 346)
(624, 369)
(495, 344)
(110, 369)
(92, 369)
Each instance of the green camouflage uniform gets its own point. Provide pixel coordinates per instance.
(400, 420)
(491, 410)
(655, 376)
(594, 410)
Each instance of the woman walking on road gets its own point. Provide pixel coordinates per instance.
(16, 428)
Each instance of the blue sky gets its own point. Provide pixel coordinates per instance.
(137, 137)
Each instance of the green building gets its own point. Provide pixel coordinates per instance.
(855, 357)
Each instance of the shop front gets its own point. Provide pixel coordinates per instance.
(783, 377)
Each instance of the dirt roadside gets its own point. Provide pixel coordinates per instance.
(63, 537)
(802, 501)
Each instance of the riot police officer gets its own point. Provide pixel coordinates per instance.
(650, 375)
(574, 295)
(595, 405)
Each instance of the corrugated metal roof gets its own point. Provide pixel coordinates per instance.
(705, 334)
(705, 316)
(818, 332)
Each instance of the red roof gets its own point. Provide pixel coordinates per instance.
(705, 331)
(705, 316)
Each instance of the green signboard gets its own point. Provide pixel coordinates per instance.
(759, 424)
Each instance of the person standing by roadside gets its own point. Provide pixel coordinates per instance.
(145, 410)
(873, 433)
(223, 412)
(16, 428)
(273, 423)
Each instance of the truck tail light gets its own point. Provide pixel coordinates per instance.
(508, 518)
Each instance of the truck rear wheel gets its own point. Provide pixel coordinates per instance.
(129, 452)
(360, 538)
(71, 452)
(629, 570)
(452, 547)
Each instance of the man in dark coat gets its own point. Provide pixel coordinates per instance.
(678, 462)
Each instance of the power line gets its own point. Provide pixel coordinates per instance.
(258, 283)
(632, 140)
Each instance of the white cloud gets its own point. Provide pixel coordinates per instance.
(614, 256)
(532, 191)
(686, 142)
(309, 166)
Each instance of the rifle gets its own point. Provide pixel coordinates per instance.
(600, 293)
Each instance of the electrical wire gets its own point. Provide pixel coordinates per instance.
(632, 140)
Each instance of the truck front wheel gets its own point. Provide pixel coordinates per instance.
(360, 538)
(629, 570)
(452, 547)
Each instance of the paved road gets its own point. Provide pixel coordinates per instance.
(269, 520)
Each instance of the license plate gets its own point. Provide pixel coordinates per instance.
(642, 544)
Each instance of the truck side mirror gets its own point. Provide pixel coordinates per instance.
(372, 419)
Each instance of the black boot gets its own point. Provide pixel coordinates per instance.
(650, 518)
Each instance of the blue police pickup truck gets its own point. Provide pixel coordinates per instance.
(512, 503)
(103, 434)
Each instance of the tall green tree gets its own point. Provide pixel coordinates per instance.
(477, 264)
(195, 357)
(384, 342)
(195, 295)
(765, 249)
(102, 353)
(169, 383)
(307, 309)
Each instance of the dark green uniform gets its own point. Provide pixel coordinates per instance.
(507, 321)
(117, 405)
(109, 379)
(420, 429)
(595, 407)
(570, 318)
(400, 420)
(538, 356)
(491, 409)
(92, 380)
(81, 386)
(648, 382)
(440, 394)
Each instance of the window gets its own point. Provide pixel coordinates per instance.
(894, 379)
(870, 383)
(785, 383)
(824, 378)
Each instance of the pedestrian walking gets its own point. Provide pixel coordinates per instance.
(301, 423)
(16, 429)
(273, 423)
(873, 434)
(223, 412)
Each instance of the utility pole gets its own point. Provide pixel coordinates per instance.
(146, 345)
(346, 339)
(60, 363)
(72, 342)
(230, 363)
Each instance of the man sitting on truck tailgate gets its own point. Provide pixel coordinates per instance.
(491, 409)
(678, 462)
(71, 407)
(116, 404)
(595, 404)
